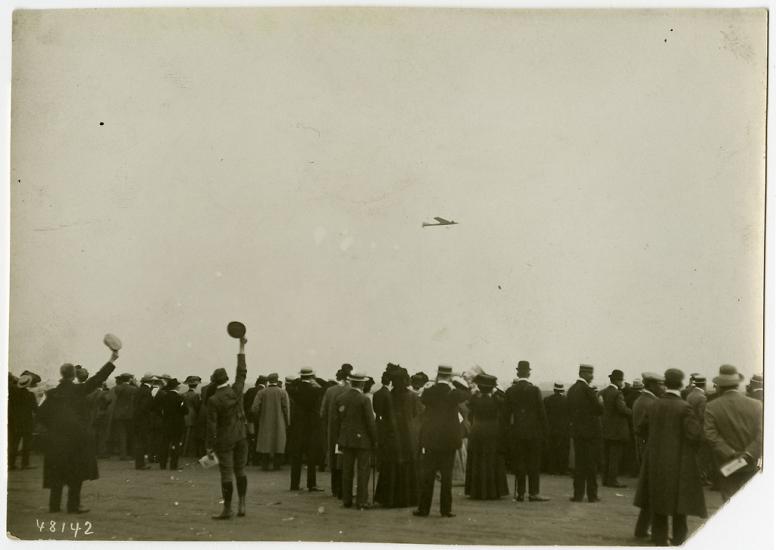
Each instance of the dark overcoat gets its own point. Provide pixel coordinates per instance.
(584, 411)
(68, 445)
(524, 414)
(441, 428)
(400, 425)
(557, 409)
(614, 423)
(305, 433)
(669, 483)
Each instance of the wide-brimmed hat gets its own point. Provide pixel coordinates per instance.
(485, 380)
(24, 381)
(357, 377)
(756, 381)
(523, 366)
(444, 370)
(617, 375)
(585, 369)
(637, 384)
(728, 376)
(306, 373)
(34, 378)
(192, 380)
(235, 329)
(558, 386)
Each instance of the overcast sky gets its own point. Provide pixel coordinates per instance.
(176, 170)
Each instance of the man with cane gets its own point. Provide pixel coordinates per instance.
(226, 432)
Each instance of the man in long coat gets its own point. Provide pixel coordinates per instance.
(585, 411)
(654, 386)
(670, 484)
(614, 426)
(124, 396)
(305, 442)
(191, 401)
(173, 425)
(250, 395)
(526, 422)
(328, 417)
(22, 406)
(733, 426)
(557, 410)
(356, 434)
(70, 455)
(696, 397)
(440, 438)
(141, 421)
(225, 433)
(271, 409)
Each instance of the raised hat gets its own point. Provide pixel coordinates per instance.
(307, 373)
(637, 384)
(728, 376)
(112, 341)
(673, 377)
(558, 386)
(35, 378)
(24, 381)
(235, 329)
(444, 370)
(523, 366)
(357, 377)
(617, 374)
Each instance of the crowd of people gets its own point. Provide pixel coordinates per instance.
(406, 434)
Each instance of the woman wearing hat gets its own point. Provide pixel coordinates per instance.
(486, 475)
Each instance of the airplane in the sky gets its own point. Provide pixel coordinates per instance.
(441, 221)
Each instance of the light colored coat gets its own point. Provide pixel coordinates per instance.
(271, 408)
(733, 424)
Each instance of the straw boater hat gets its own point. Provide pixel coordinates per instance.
(699, 380)
(444, 370)
(558, 387)
(290, 379)
(357, 377)
(728, 376)
(637, 384)
(34, 379)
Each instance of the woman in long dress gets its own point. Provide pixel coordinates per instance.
(398, 486)
(486, 476)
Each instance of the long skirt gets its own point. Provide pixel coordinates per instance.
(486, 476)
(397, 486)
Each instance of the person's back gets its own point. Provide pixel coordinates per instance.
(524, 411)
(354, 428)
(441, 430)
(123, 406)
(584, 411)
(556, 406)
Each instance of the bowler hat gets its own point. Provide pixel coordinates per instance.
(699, 380)
(235, 329)
(24, 381)
(673, 377)
(219, 376)
(756, 381)
(617, 375)
(728, 376)
(523, 366)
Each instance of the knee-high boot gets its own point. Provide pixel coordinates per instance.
(242, 487)
(226, 490)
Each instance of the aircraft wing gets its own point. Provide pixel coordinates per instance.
(441, 220)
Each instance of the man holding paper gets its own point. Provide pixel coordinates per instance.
(733, 425)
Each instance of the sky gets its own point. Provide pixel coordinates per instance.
(174, 170)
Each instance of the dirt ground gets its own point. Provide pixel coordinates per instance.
(126, 504)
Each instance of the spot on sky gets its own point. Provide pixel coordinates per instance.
(188, 345)
(396, 246)
(346, 243)
(219, 274)
(319, 235)
(312, 352)
(373, 245)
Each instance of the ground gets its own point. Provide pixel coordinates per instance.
(127, 504)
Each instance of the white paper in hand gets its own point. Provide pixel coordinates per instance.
(732, 466)
(208, 461)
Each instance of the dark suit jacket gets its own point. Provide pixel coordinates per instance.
(584, 411)
(616, 415)
(141, 408)
(524, 413)
(21, 409)
(354, 422)
(123, 405)
(640, 411)
(441, 428)
(557, 409)
(305, 433)
(225, 413)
